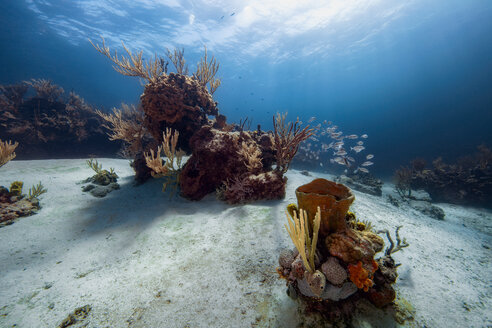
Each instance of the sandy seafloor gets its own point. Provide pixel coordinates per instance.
(141, 259)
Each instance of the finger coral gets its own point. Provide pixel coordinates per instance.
(298, 230)
(360, 276)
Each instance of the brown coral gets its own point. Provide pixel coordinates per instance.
(333, 271)
(360, 276)
(177, 101)
(351, 246)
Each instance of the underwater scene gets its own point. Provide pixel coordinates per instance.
(212, 163)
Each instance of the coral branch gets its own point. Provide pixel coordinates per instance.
(46, 89)
(133, 65)
(177, 58)
(287, 138)
(7, 151)
(252, 156)
(298, 230)
(205, 72)
(173, 165)
(127, 125)
(399, 243)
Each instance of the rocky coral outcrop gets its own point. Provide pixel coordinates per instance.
(179, 102)
(14, 205)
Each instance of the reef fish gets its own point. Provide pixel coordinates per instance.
(311, 119)
(370, 156)
(357, 149)
(352, 136)
(364, 136)
(363, 169)
(367, 163)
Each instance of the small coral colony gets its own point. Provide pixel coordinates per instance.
(332, 266)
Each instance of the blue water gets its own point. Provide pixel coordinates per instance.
(416, 76)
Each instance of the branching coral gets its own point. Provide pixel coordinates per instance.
(36, 191)
(298, 230)
(403, 178)
(133, 65)
(173, 164)
(399, 242)
(205, 72)
(360, 276)
(11, 96)
(287, 138)
(252, 156)
(127, 125)
(177, 58)
(7, 151)
(46, 89)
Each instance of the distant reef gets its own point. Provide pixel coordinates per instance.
(48, 123)
(468, 181)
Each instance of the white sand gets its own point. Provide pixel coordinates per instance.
(141, 259)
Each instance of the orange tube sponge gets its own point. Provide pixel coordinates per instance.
(362, 277)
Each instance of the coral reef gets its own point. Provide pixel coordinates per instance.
(225, 158)
(332, 275)
(468, 181)
(49, 124)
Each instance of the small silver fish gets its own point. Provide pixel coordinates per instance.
(370, 156)
(325, 146)
(360, 143)
(341, 152)
(364, 136)
(311, 119)
(336, 134)
(314, 139)
(357, 149)
(352, 136)
(338, 144)
(367, 163)
(321, 164)
(363, 169)
(351, 159)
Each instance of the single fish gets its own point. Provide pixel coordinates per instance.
(370, 156)
(363, 169)
(352, 136)
(314, 139)
(321, 164)
(341, 152)
(351, 159)
(357, 149)
(367, 163)
(311, 119)
(360, 143)
(325, 146)
(336, 134)
(364, 136)
(338, 144)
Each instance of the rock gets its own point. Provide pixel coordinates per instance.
(101, 191)
(12, 208)
(333, 271)
(427, 209)
(366, 184)
(420, 195)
